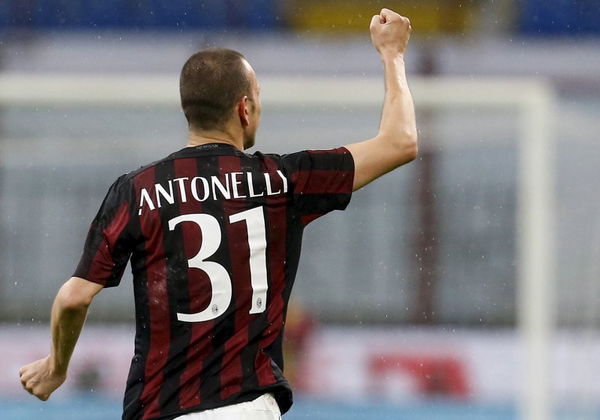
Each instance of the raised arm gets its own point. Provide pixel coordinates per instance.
(42, 377)
(396, 142)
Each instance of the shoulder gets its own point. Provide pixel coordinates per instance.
(128, 178)
(264, 156)
(268, 161)
(319, 159)
(124, 184)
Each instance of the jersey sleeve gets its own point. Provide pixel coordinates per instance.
(321, 181)
(107, 247)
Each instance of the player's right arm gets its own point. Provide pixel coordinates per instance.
(42, 377)
(396, 142)
(107, 250)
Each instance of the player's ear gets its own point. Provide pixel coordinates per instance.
(243, 110)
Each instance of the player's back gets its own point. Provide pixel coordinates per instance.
(214, 237)
(203, 214)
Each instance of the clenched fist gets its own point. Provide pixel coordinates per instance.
(390, 32)
(40, 379)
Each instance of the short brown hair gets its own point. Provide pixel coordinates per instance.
(211, 82)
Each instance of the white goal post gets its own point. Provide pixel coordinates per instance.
(533, 98)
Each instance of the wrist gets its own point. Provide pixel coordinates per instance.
(56, 369)
(391, 56)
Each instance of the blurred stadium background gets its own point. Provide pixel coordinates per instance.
(407, 305)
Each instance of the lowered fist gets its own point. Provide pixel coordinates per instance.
(40, 379)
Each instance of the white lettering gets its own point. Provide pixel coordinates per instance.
(269, 188)
(284, 179)
(251, 186)
(204, 188)
(182, 188)
(235, 183)
(216, 184)
(144, 196)
(169, 196)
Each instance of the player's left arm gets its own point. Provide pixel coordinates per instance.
(42, 377)
(396, 142)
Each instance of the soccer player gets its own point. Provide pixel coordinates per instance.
(213, 235)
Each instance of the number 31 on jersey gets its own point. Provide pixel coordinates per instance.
(217, 274)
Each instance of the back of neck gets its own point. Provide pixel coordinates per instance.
(197, 138)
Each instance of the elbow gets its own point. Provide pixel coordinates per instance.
(72, 299)
(411, 149)
(407, 148)
(73, 302)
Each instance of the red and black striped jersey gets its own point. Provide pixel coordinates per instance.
(214, 239)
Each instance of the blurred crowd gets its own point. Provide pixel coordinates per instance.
(531, 17)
